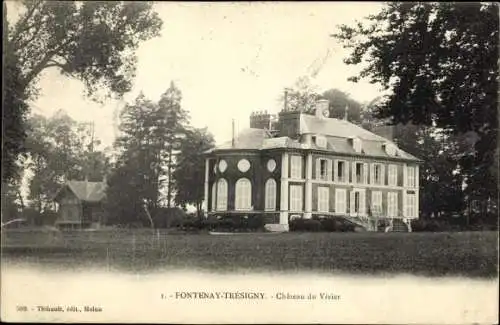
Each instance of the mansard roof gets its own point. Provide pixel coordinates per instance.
(335, 127)
(338, 134)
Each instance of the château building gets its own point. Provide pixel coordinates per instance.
(305, 165)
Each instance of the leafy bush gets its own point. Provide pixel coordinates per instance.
(331, 224)
(168, 217)
(48, 217)
(434, 225)
(32, 216)
(337, 224)
(229, 223)
(301, 224)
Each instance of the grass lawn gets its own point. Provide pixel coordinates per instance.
(472, 254)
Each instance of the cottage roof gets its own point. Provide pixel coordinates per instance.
(85, 191)
(338, 134)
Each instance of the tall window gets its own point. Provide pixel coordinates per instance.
(411, 205)
(341, 171)
(378, 177)
(323, 198)
(376, 202)
(296, 167)
(222, 195)
(270, 193)
(410, 176)
(243, 194)
(392, 204)
(295, 197)
(359, 169)
(322, 169)
(340, 200)
(214, 195)
(360, 173)
(356, 202)
(393, 175)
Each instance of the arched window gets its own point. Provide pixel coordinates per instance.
(270, 194)
(214, 195)
(222, 195)
(243, 198)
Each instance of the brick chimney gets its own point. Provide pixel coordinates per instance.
(260, 120)
(289, 124)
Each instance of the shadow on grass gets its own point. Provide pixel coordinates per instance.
(470, 254)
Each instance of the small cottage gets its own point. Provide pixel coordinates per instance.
(81, 205)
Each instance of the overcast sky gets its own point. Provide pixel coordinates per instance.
(228, 59)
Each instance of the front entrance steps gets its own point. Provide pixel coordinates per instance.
(380, 224)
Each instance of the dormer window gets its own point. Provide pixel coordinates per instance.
(356, 145)
(390, 149)
(320, 141)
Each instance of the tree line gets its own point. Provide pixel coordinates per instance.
(438, 62)
(159, 161)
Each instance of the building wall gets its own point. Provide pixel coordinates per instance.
(348, 188)
(369, 186)
(93, 213)
(258, 174)
(70, 209)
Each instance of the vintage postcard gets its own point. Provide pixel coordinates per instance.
(250, 162)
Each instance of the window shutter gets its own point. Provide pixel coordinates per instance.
(329, 169)
(404, 175)
(382, 173)
(337, 201)
(320, 193)
(390, 205)
(365, 173)
(318, 168)
(417, 176)
(353, 171)
(351, 202)
(362, 204)
(335, 171)
(396, 208)
(372, 173)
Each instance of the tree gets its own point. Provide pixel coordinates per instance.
(339, 101)
(302, 96)
(92, 41)
(439, 61)
(146, 148)
(139, 152)
(14, 111)
(440, 182)
(189, 176)
(57, 151)
(175, 121)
